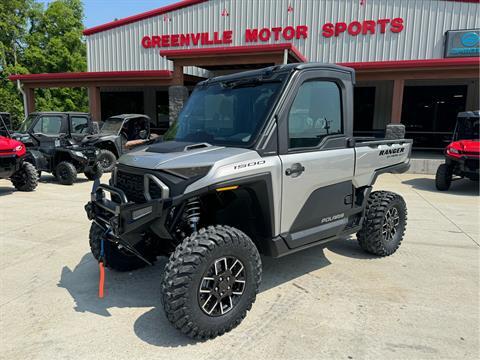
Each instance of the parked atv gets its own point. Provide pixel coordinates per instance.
(462, 155)
(116, 136)
(13, 166)
(64, 159)
(258, 162)
(53, 141)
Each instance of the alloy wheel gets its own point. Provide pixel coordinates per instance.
(391, 220)
(222, 286)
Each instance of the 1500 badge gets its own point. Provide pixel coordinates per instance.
(252, 163)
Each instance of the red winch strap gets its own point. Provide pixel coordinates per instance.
(101, 282)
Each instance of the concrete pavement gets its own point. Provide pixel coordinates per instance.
(326, 302)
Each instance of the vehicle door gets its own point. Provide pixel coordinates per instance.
(47, 130)
(79, 127)
(317, 163)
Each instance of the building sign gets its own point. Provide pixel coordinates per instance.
(275, 34)
(462, 43)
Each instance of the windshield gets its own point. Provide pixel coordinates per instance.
(228, 114)
(112, 125)
(27, 123)
(467, 129)
(3, 128)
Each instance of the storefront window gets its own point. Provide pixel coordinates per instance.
(429, 114)
(121, 102)
(363, 110)
(162, 119)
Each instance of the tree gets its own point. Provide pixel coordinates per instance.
(38, 40)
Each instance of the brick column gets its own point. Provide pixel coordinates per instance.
(177, 96)
(94, 102)
(397, 101)
(30, 95)
(177, 74)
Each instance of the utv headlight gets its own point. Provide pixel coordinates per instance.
(79, 154)
(190, 172)
(453, 150)
(18, 148)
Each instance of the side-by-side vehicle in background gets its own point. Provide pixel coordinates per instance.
(116, 136)
(53, 142)
(13, 166)
(462, 155)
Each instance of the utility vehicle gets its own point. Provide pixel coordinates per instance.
(462, 155)
(52, 141)
(116, 134)
(22, 174)
(261, 162)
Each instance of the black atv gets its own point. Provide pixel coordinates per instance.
(117, 134)
(64, 158)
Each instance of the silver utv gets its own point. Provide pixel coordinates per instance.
(261, 162)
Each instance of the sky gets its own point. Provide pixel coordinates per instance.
(98, 12)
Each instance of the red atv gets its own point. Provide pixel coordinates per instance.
(22, 174)
(462, 155)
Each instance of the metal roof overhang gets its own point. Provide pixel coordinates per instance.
(235, 57)
(446, 68)
(85, 79)
(452, 68)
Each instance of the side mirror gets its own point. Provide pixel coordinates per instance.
(143, 134)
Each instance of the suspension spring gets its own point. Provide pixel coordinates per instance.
(192, 213)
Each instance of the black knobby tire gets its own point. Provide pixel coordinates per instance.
(372, 237)
(185, 273)
(66, 173)
(106, 160)
(26, 178)
(93, 173)
(116, 259)
(443, 177)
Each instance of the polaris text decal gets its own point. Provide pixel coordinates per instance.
(332, 218)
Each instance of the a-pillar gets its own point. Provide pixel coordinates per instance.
(94, 103)
(397, 101)
(30, 99)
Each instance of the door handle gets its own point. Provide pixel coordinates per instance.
(295, 170)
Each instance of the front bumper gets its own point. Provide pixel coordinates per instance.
(9, 164)
(464, 165)
(124, 219)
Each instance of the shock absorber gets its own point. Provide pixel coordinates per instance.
(192, 213)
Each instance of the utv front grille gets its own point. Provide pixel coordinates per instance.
(133, 185)
(472, 164)
(8, 162)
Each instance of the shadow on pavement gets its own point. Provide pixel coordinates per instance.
(6, 190)
(349, 248)
(141, 288)
(464, 187)
(50, 179)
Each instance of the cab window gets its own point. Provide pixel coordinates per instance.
(315, 113)
(48, 125)
(79, 125)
